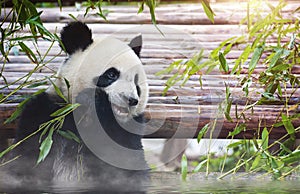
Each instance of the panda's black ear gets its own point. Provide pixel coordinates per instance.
(136, 44)
(75, 36)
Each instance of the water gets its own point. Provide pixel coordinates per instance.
(170, 182)
(199, 183)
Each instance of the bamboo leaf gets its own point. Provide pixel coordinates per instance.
(7, 150)
(58, 91)
(234, 144)
(208, 11)
(265, 138)
(69, 135)
(67, 83)
(237, 130)
(242, 58)
(289, 127)
(73, 17)
(215, 53)
(227, 110)
(141, 8)
(45, 146)
(17, 112)
(280, 67)
(152, 4)
(46, 127)
(256, 162)
(292, 41)
(199, 166)
(202, 132)
(275, 58)
(184, 167)
(21, 107)
(223, 62)
(66, 109)
(37, 84)
(292, 157)
(59, 4)
(28, 52)
(255, 58)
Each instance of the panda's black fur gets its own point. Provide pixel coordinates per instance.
(76, 36)
(66, 153)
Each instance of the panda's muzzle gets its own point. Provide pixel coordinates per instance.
(121, 111)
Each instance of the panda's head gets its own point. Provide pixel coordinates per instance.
(107, 64)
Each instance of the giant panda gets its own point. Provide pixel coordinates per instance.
(105, 76)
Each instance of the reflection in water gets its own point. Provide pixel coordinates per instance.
(170, 182)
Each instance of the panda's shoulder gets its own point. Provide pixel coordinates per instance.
(41, 102)
(36, 111)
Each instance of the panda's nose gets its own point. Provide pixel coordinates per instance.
(132, 101)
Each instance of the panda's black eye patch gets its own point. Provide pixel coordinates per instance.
(138, 89)
(108, 77)
(136, 81)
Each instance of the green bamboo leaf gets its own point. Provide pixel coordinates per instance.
(292, 157)
(45, 146)
(237, 130)
(58, 91)
(42, 29)
(202, 132)
(235, 144)
(215, 53)
(67, 83)
(227, 110)
(268, 96)
(296, 10)
(141, 8)
(37, 84)
(21, 107)
(255, 58)
(17, 112)
(184, 167)
(292, 41)
(28, 52)
(228, 93)
(289, 127)
(223, 62)
(170, 68)
(208, 11)
(280, 67)
(66, 109)
(256, 162)
(59, 4)
(279, 90)
(73, 17)
(151, 5)
(101, 13)
(46, 127)
(7, 150)
(242, 59)
(275, 58)
(69, 135)
(34, 17)
(265, 138)
(199, 166)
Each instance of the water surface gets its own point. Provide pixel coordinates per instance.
(170, 182)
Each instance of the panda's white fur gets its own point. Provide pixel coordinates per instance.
(83, 67)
